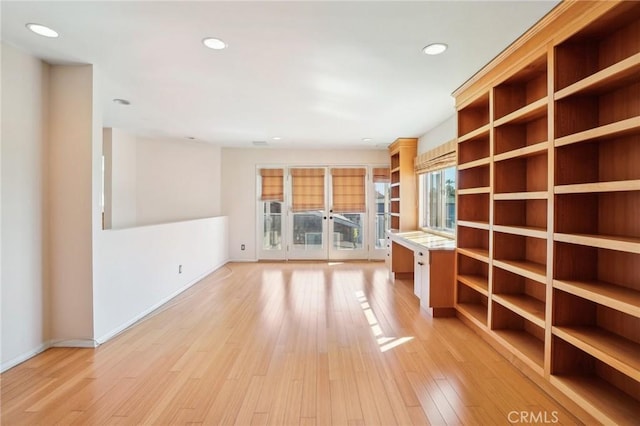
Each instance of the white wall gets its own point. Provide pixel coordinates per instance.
(23, 214)
(239, 184)
(64, 279)
(71, 181)
(176, 180)
(121, 187)
(136, 269)
(442, 133)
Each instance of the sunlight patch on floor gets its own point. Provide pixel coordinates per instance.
(384, 342)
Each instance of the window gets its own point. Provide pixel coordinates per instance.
(438, 200)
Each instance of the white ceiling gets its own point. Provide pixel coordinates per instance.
(316, 74)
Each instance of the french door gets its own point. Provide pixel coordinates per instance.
(328, 213)
(322, 213)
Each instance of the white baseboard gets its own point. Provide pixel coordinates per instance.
(88, 343)
(70, 343)
(74, 343)
(22, 358)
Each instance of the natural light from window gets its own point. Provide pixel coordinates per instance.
(438, 200)
(384, 342)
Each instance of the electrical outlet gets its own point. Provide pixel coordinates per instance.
(179, 269)
(241, 246)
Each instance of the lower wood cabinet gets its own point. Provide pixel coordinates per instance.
(428, 260)
(434, 278)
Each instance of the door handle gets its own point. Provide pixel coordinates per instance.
(331, 217)
(324, 217)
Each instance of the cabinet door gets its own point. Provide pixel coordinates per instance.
(387, 259)
(425, 281)
(441, 278)
(418, 274)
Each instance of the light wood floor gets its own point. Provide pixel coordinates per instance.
(285, 343)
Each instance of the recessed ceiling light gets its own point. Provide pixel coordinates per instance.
(121, 101)
(276, 138)
(434, 48)
(42, 30)
(366, 139)
(190, 137)
(214, 43)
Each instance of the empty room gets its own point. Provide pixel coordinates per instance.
(320, 212)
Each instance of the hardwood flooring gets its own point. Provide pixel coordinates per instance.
(281, 343)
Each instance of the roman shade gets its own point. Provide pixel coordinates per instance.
(307, 189)
(381, 175)
(272, 185)
(440, 157)
(348, 189)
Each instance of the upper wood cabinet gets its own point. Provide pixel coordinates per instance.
(548, 259)
(404, 207)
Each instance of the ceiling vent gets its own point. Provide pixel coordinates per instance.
(259, 143)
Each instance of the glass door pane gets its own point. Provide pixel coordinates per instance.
(308, 216)
(380, 220)
(272, 226)
(347, 231)
(308, 230)
(382, 214)
(271, 243)
(347, 225)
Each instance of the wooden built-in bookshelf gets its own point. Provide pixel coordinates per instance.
(403, 184)
(548, 259)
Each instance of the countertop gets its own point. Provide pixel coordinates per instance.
(417, 240)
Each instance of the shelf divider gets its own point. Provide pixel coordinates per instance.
(619, 353)
(522, 152)
(606, 403)
(526, 347)
(533, 195)
(526, 306)
(525, 231)
(476, 282)
(475, 312)
(613, 296)
(531, 270)
(612, 242)
(626, 70)
(619, 128)
(478, 190)
(528, 112)
(475, 253)
(613, 186)
(480, 131)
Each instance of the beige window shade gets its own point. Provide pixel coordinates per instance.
(307, 189)
(441, 157)
(348, 188)
(381, 174)
(272, 185)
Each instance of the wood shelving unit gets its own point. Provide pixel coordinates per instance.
(403, 184)
(524, 338)
(473, 205)
(522, 295)
(473, 273)
(548, 263)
